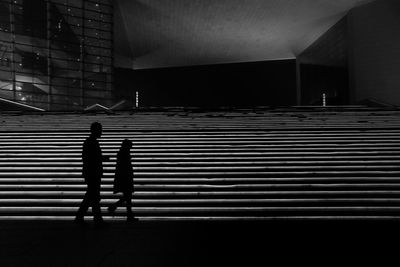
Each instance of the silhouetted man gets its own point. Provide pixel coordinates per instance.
(92, 171)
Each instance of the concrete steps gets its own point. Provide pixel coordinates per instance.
(238, 165)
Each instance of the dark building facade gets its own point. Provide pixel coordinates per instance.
(56, 54)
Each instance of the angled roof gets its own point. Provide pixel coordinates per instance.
(158, 33)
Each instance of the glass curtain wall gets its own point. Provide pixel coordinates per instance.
(56, 54)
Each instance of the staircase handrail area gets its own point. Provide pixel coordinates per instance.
(20, 106)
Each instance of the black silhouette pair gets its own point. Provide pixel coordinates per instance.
(92, 172)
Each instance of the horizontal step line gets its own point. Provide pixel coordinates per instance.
(192, 201)
(162, 175)
(67, 148)
(208, 180)
(209, 209)
(270, 134)
(204, 156)
(208, 218)
(80, 185)
(206, 168)
(207, 193)
(249, 161)
(207, 159)
(164, 141)
(233, 148)
(241, 200)
(14, 140)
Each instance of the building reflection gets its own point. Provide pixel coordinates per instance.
(56, 54)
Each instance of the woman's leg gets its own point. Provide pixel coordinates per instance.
(114, 206)
(128, 200)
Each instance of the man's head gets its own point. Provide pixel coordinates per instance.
(96, 129)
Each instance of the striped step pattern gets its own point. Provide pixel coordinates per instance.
(236, 165)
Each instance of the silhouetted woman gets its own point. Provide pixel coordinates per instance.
(123, 180)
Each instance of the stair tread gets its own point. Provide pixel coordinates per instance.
(232, 165)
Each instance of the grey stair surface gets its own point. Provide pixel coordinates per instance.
(220, 165)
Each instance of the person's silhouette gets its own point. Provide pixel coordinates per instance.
(123, 180)
(92, 172)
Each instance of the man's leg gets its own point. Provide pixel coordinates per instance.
(95, 201)
(83, 208)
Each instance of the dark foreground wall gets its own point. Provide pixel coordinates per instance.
(263, 243)
(269, 83)
(375, 51)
